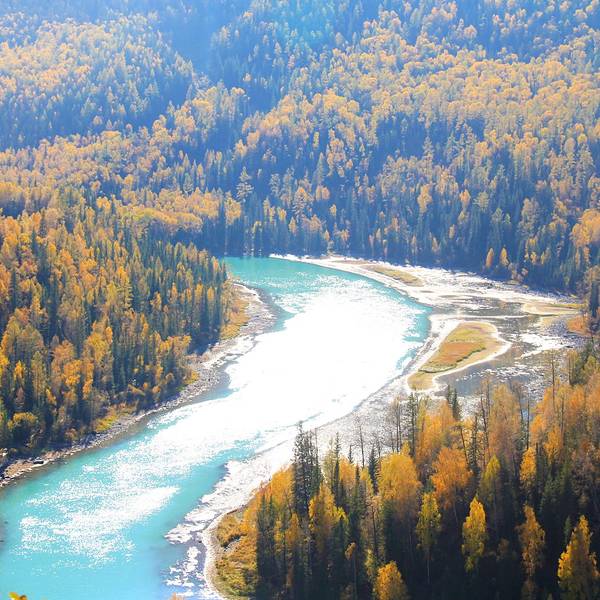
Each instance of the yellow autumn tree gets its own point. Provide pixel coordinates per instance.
(474, 535)
(438, 430)
(450, 479)
(428, 526)
(389, 584)
(532, 539)
(490, 492)
(399, 485)
(578, 574)
(323, 515)
(527, 472)
(504, 429)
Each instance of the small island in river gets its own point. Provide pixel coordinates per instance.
(469, 343)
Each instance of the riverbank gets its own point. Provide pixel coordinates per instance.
(251, 316)
(516, 327)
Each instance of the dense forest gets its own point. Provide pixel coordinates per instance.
(442, 133)
(497, 502)
(86, 78)
(96, 310)
(142, 140)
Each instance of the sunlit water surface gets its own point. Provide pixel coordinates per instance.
(95, 525)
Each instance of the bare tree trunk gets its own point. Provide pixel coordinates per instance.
(361, 440)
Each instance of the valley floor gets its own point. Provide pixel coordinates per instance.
(513, 321)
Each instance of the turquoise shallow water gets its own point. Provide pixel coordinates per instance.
(94, 526)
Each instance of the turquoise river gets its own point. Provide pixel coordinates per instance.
(110, 523)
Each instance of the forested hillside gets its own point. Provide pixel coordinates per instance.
(440, 504)
(441, 133)
(458, 134)
(86, 78)
(95, 310)
(143, 140)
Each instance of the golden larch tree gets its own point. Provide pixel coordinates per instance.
(450, 479)
(428, 526)
(474, 535)
(577, 568)
(399, 485)
(389, 584)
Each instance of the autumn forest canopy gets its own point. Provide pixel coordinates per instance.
(439, 503)
(461, 134)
